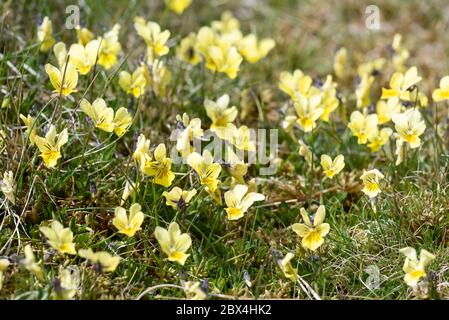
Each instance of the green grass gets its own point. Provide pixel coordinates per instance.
(86, 186)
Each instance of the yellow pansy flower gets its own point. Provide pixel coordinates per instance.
(252, 49)
(242, 139)
(29, 262)
(128, 190)
(442, 93)
(386, 109)
(415, 269)
(228, 23)
(84, 58)
(8, 186)
(332, 168)
(340, 62)
(133, 84)
(101, 115)
(363, 91)
(409, 126)
(178, 198)
(65, 286)
(4, 264)
(187, 50)
(142, 153)
(237, 168)
(295, 83)
(110, 48)
(59, 238)
(312, 231)
(160, 78)
(401, 84)
(304, 151)
(60, 51)
(238, 200)
(155, 39)
(286, 267)
(173, 243)
(371, 68)
(122, 121)
(191, 129)
(400, 54)
(160, 167)
(329, 101)
(102, 261)
(84, 35)
(308, 111)
(207, 170)
(194, 291)
(128, 224)
(221, 116)
(380, 138)
(362, 126)
(370, 181)
(178, 6)
(225, 59)
(45, 35)
(63, 80)
(50, 146)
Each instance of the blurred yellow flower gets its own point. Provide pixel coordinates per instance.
(308, 111)
(101, 115)
(379, 139)
(312, 231)
(194, 291)
(415, 269)
(442, 93)
(370, 181)
(190, 130)
(340, 62)
(122, 121)
(386, 109)
(29, 262)
(128, 224)
(102, 261)
(59, 238)
(295, 83)
(238, 200)
(400, 54)
(178, 198)
(362, 126)
(409, 126)
(221, 116)
(60, 51)
(84, 57)
(178, 6)
(130, 188)
(362, 91)
(30, 123)
(110, 48)
(227, 24)
(45, 35)
(50, 146)
(84, 35)
(225, 59)
(401, 84)
(371, 68)
(305, 152)
(155, 39)
(207, 170)
(160, 167)
(142, 153)
(242, 139)
(236, 167)
(253, 50)
(65, 286)
(63, 80)
(4, 264)
(332, 168)
(8, 186)
(187, 50)
(173, 243)
(287, 268)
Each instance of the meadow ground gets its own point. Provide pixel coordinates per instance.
(235, 247)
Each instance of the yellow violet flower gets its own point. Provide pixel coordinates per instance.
(178, 198)
(400, 54)
(409, 126)
(221, 116)
(160, 78)
(371, 68)
(129, 189)
(160, 167)
(4, 264)
(50, 146)
(362, 126)
(379, 139)
(178, 6)
(133, 84)
(128, 225)
(386, 109)
(227, 24)
(66, 285)
(442, 93)
(295, 83)
(207, 170)
(187, 50)
(363, 91)
(238, 200)
(332, 168)
(101, 115)
(191, 129)
(60, 51)
(29, 262)
(287, 268)
(329, 101)
(225, 59)
(312, 231)
(45, 35)
(173, 243)
(142, 153)
(242, 139)
(415, 269)
(340, 62)
(370, 181)
(84, 35)
(122, 121)
(63, 80)
(253, 50)
(401, 84)
(237, 168)
(308, 111)
(84, 58)
(59, 238)
(193, 290)
(110, 48)
(102, 261)
(7, 186)
(304, 151)
(155, 39)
